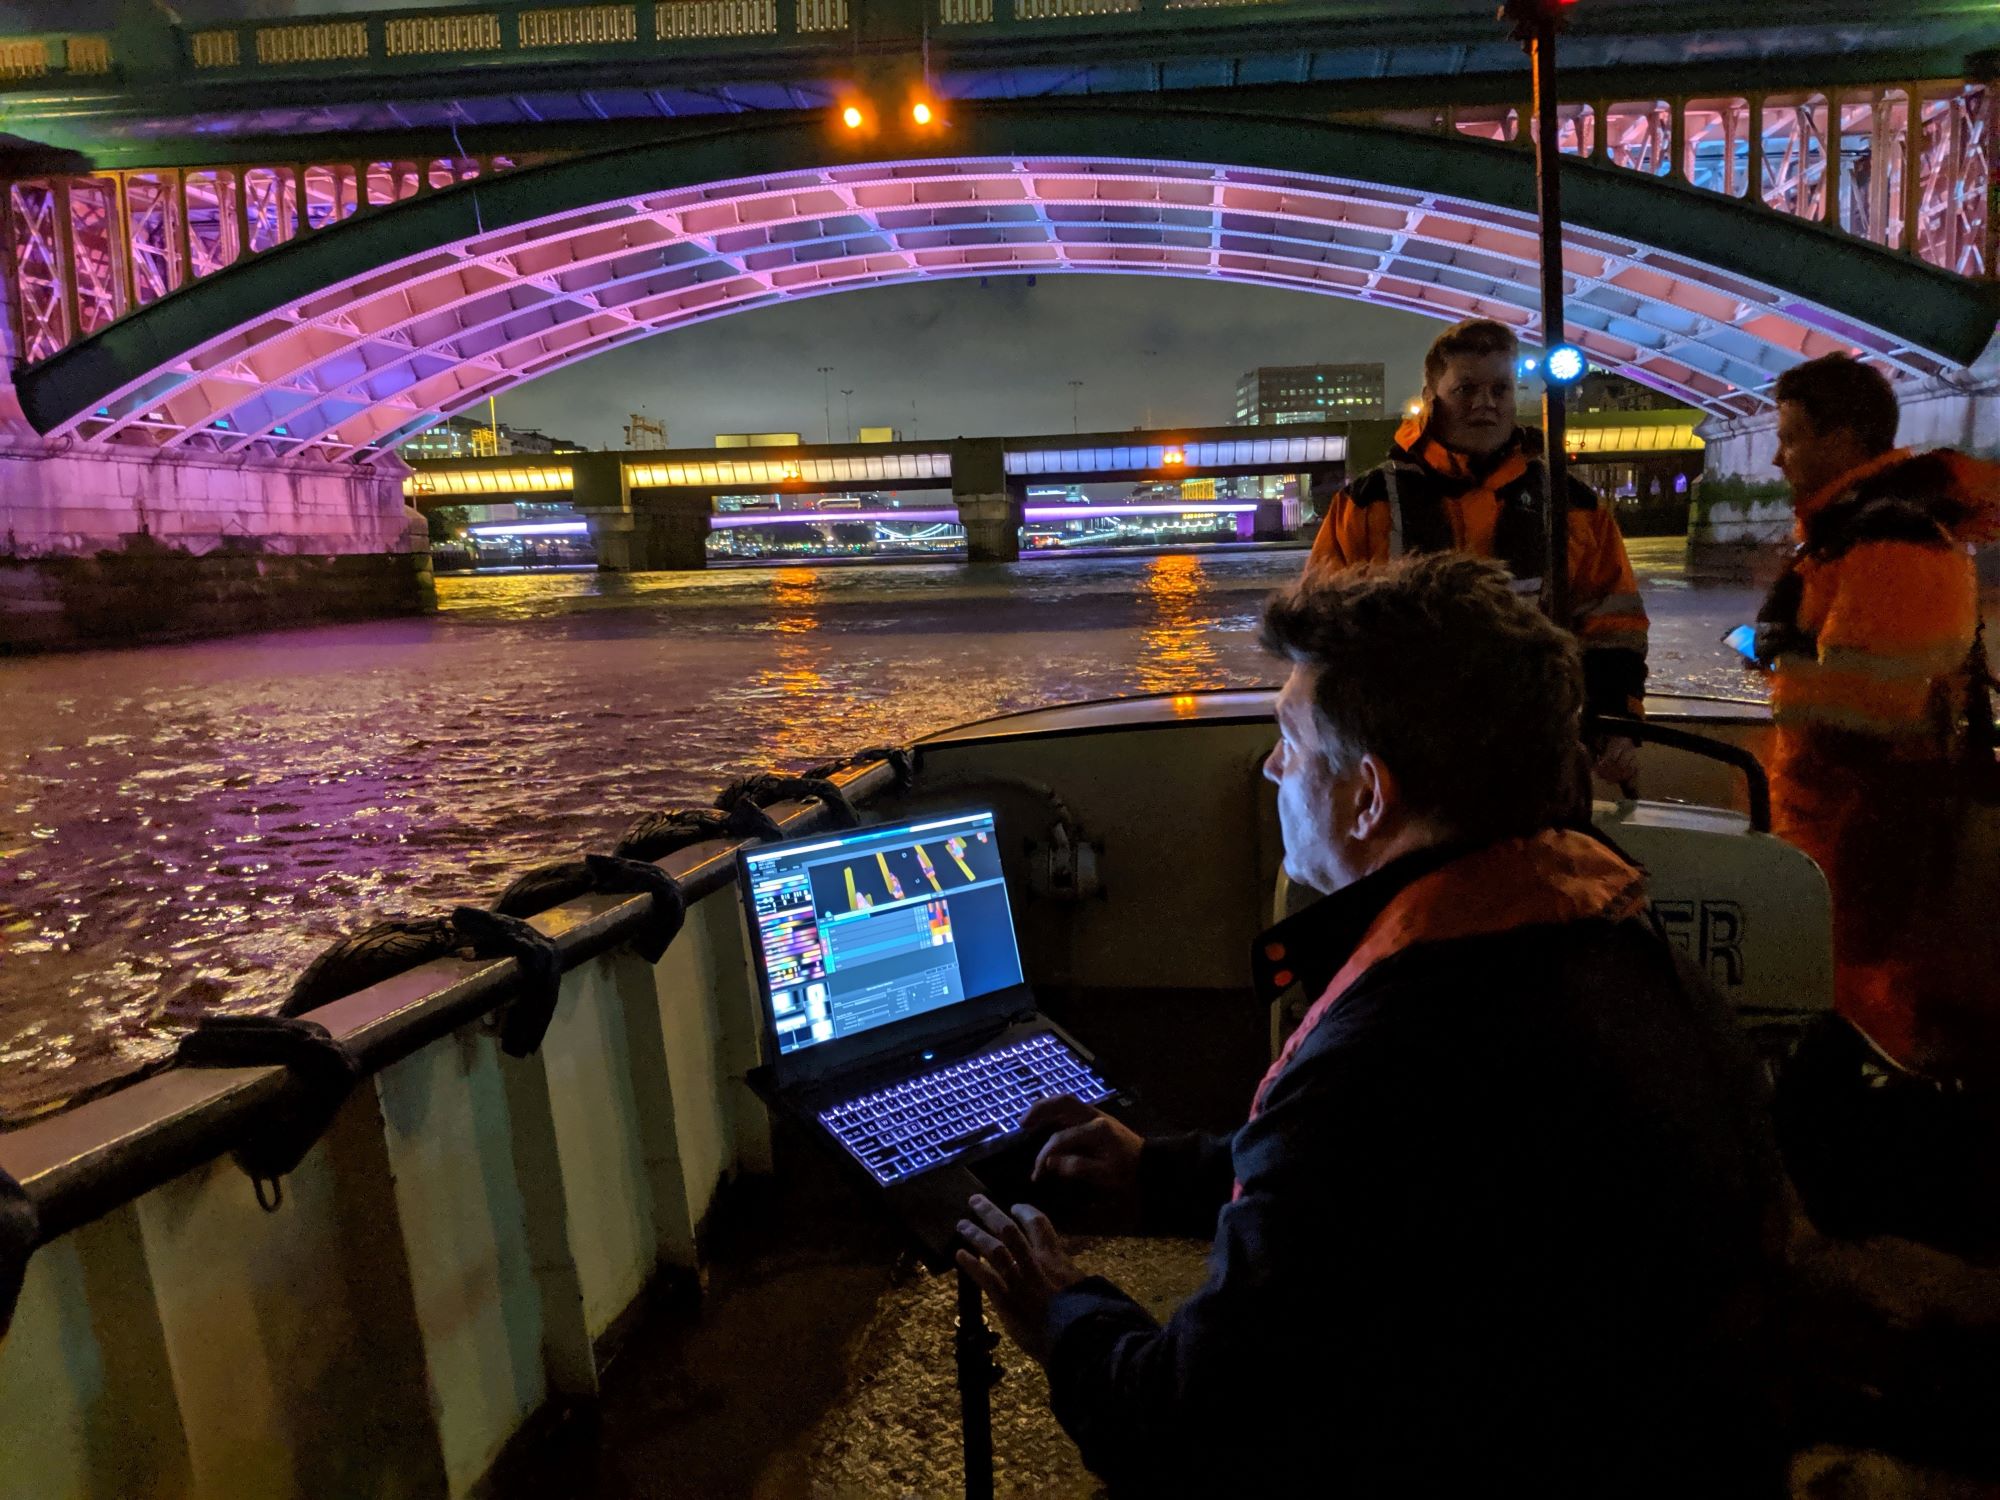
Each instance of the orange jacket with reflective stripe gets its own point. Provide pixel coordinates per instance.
(1870, 630)
(1430, 498)
(1869, 634)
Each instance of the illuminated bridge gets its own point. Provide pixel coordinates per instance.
(302, 241)
(648, 511)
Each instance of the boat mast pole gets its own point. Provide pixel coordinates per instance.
(973, 1344)
(1537, 23)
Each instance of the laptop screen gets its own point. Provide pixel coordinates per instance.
(860, 929)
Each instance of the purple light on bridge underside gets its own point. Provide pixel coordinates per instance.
(733, 520)
(1033, 515)
(531, 528)
(366, 359)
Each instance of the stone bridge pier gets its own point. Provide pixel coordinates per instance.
(990, 507)
(639, 530)
(123, 546)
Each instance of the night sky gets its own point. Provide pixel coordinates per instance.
(978, 359)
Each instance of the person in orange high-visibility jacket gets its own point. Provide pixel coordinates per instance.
(1878, 693)
(1466, 477)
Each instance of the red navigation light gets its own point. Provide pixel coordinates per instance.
(852, 117)
(1529, 16)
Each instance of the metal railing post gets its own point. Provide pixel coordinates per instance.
(1548, 200)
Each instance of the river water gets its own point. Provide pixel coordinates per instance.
(183, 827)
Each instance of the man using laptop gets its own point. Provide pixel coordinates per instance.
(1497, 1220)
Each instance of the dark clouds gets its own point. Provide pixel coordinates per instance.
(977, 359)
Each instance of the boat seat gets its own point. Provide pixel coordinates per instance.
(1748, 910)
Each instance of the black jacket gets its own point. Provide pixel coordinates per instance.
(1502, 1231)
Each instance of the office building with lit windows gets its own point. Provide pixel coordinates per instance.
(1272, 396)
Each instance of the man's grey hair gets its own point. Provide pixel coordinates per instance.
(1460, 686)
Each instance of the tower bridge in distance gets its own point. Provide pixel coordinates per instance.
(244, 262)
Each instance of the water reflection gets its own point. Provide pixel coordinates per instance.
(1177, 648)
(794, 677)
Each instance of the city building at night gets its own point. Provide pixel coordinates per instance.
(466, 437)
(1274, 395)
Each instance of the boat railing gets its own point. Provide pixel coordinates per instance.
(473, 1228)
(78, 1164)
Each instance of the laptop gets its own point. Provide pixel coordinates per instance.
(901, 1030)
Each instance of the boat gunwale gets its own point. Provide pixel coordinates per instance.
(1092, 716)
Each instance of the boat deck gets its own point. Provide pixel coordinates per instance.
(816, 1363)
(819, 1367)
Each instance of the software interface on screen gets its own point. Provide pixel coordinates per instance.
(881, 924)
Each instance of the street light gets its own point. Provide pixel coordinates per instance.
(1075, 406)
(847, 413)
(826, 376)
(852, 117)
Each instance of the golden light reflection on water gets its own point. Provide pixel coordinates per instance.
(794, 674)
(1176, 653)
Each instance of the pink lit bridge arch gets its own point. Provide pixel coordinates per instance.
(341, 345)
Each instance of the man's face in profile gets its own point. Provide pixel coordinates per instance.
(1310, 797)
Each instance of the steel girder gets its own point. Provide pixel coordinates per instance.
(342, 344)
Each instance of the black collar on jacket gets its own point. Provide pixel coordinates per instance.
(1311, 946)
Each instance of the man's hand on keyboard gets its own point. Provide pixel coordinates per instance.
(1088, 1150)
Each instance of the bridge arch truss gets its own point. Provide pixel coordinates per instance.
(342, 344)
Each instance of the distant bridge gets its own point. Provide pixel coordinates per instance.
(652, 510)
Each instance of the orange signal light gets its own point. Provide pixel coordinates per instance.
(852, 117)
(921, 112)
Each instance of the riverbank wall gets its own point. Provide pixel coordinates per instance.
(120, 547)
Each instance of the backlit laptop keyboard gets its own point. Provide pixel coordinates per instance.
(929, 1119)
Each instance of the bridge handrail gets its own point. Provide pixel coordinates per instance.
(80, 1164)
(549, 31)
(501, 33)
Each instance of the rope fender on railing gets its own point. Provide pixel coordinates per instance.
(658, 834)
(902, 764)
(493, 934)
(768, 787)
(552, 885)
(322, 1074)
(376, 953)
(20, 1232)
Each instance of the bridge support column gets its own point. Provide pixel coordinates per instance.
(989, 508)
(652, 532)
(1275, 520)
(651, 538)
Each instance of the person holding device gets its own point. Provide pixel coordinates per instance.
(1879, 695)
